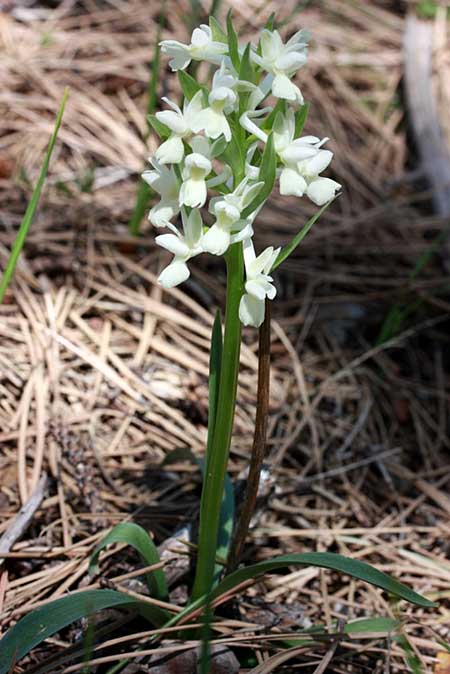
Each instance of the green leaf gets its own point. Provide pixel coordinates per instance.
(218, 33)
(218, 146)
(267, 174)
(300, 119)
(246, 71)
(134, 535)
(52, 617)
(189, 85)
(161, 129)
(233, 155)
(233, 47)
(326, 560)
(298, 238)
(270, 23)
(31, 208)
(371, 626)
(280, 107)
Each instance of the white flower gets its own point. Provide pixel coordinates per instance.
(304, 160)
(193, 191)
(229, 226)
(201, 48)
(282, 61)
(258, 285)
(183, 246)
(163, 181)
(182, 124)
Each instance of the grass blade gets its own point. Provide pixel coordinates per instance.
(325, 560)
(135, 536)
(31, 209)
(49, 619)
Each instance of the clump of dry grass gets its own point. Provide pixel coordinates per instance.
(102, 373)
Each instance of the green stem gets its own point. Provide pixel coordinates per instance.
(213, 483)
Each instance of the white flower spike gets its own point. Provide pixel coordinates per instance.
(183, 246)
(193, 191)
(218, 142)
(258, 285)
(182, 124)
(201, 48)
(163, 181)
(282, 61)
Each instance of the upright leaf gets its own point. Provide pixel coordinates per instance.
(217, 32)
(267, 174)
(31, 209)
(134, 535)
(300, 119)
(246, 71)
(233, 47)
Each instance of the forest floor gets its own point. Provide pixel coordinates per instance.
(103, 373)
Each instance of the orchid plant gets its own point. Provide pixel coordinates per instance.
(221, 156)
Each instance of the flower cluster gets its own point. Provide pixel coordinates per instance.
(227, 139)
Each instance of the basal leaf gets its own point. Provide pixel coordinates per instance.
(134, 535)
(326, 560)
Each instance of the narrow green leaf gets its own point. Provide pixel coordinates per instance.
(189, 85)
(218, 146)
(300, 119)
(134, 535)
(218, 33)
(234, 156)
(233, 48)
(298, 238)
(326, 560)
(267, 174)
(52, 617)
(246, 71)
(269, 120)
(161, 129)
(370, 626)
(31, 209)
(270, 23)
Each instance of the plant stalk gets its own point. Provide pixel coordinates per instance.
(216, 465)
(259, 445)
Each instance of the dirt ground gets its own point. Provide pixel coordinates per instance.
(103, 373)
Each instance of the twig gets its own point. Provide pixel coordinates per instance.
(23, 518)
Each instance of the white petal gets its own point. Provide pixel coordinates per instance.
(291, 61)
(193, 228)
(292, 183)
(174, 274)
(179, 53)
(214, 124)
(196, 161)
(322, 190)
(245, 233)
(282, 87)
(251, 127)
(256, 289)
(251, 311)
(319, 163)
(160, 214)
(216, 240)
(201, 36)
(259, 263)
(296, 152)
(271, 44)
(173, 120)
(173, 244)
(171, 151)
(193, 193)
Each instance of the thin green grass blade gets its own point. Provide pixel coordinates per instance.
(49, 619)
(298, 238)
(31, 209)
(135, 536)
(326, 560)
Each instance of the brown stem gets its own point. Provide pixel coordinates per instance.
(259, 445)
